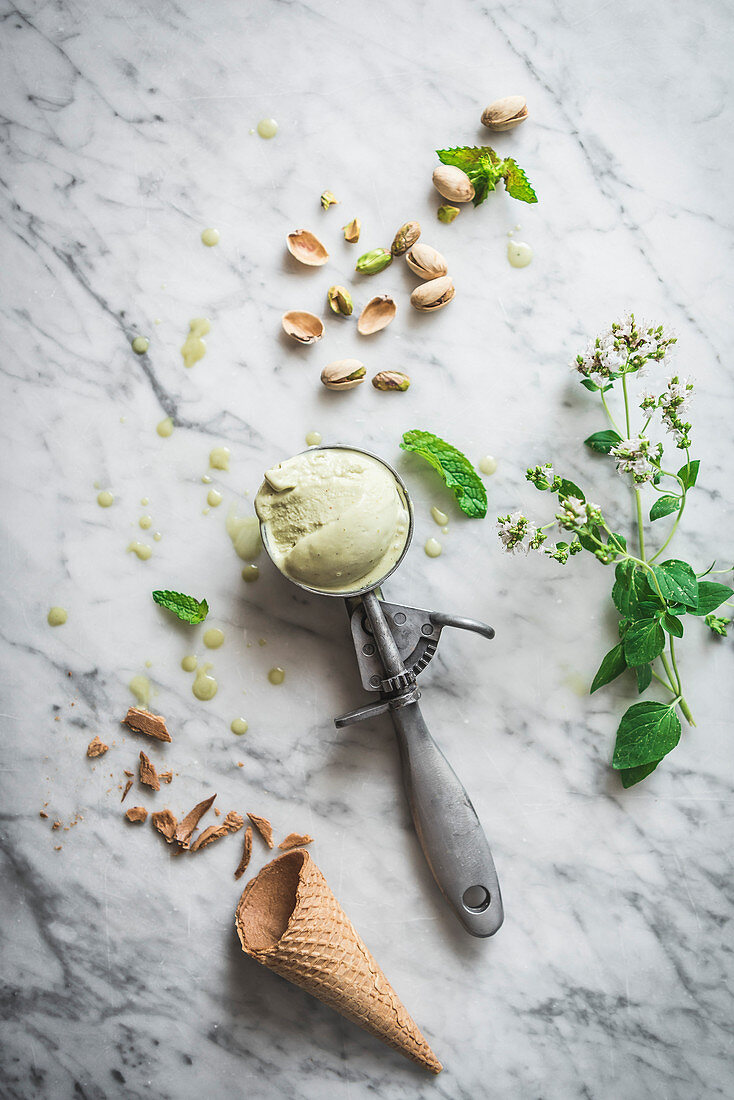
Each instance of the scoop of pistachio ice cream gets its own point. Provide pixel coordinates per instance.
(334, 519)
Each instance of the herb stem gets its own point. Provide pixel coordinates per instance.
(674, 527)
(683, 704)
(638, 501)
(608, 411)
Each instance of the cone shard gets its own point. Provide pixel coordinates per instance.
(289, 920)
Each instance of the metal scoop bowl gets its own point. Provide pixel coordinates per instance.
(394, 643)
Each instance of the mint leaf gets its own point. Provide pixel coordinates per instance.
(569, 489)
(630, 587)
(672, 624)
(643, 642)
(603, 441)
(611, 667)
(677, 582)
(454, 467)
(185, 607)
(517, 184)
(663, 506)
(647, 732)
(630, 776)
(710, 596)
(689, 473)
(644, 677)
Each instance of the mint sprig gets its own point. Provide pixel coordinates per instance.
(188, 609)
(485, 169)
(454, 467)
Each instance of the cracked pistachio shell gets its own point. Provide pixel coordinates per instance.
(505, 114)
(377, 314)
(328, 198)
(343, 374)
(452, 183)
(352, 230)
(426, 262)
(307, 328)
(428, 297)
(340, 300)
(391, 380)
(306, 248)
(405, 238)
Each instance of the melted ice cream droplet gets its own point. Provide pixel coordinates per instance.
(57, 616)
(189, 663)
(214, 498)
(140, 345)
(439, 517)
(105, 499)
(487, 465)
(165, 427)
(213, 638)
(267, 128)
(519, 254)
(219, 458)
(205, 687)
(210, 237)
(140, 550)
(140, 687)
(313, 439)
(276, 675)
(244, 532)
(433, 548)
(145, 522)
(194, 348)
(250, 573)
(239, 726)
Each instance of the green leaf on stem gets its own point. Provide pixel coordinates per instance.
(611, 667)
(630, 776)
(643, 642)
(710, 596)
(664, 505)
(592, 386)
(630, 587)
(603, 441)
(569, 489)
(644, 677)
(672, 624)
(689, 473)
(677, 582)
(647, 732)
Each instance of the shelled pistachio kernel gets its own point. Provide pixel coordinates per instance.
(391, 380)
(340, 300)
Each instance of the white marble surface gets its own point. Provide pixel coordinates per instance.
(127, 130)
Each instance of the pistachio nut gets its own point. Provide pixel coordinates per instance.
(452, 183)
(371, 263)
(343, 374)
(426, 262)
(376, 315)
(328, 198)
(446, 213)
(340, 300)
(306, 248)
(429, 297)
(352, 230)
(391, 380)
(307, 328)
(505, 114)
(405, 238)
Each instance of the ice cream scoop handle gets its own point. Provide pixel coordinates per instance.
(448, 828)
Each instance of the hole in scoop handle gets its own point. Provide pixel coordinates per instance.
(448, 828)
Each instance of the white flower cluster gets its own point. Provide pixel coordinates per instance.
(517, 533)
(576, 513)
(674, 403)
(626, 346)
(635, 456)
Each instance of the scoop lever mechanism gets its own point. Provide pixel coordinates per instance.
(394, 644)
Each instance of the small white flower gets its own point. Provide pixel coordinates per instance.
(517, 533)
(633, 457)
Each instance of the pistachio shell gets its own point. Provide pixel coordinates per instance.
(307, 328)
(306, 248)
(377, 314)
(452, 183)
(434, 295)
(352, 230)
(426, 262)
(405, 237)
(505, 114)
(343, 374)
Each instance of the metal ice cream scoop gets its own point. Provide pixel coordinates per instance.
(394, 644)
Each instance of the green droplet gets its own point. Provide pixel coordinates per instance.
(141, 551)
(219, 458)
(145, 522)
(188, 664)
(239, 726)
(194, 348)
(433, 548)
(213, 638)
(105, 498)
(165, 427)
(140, 345)
(267, 127)
(210, 237)
(250, 573)
(276, 675)
(214, 498)
(140, 687)
(56, 616)
(205, 687)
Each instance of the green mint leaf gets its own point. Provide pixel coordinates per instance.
(186, 607)
(569, 489)
(677, 582)
(454, 467)
(644, 677)
(672, 624)
(592, 386)
(647, 732)
(630, 587)
(689, 473)
(630, 776)
(717, 625)
(603, 441)
(663, 506)
(643, 642)
(611, 667)
(517, 184)
(710, 596)
(481, 164)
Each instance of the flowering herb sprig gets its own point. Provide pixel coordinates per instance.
(651, 596)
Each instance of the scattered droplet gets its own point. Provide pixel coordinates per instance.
(213, 637)
(145, 522)
(487, 465)
(267, 127)
(194, 348)
(157, 536)
(57, 616)
(439, 517)
(219, 458)
(148, 664)
(239, 726)
(189, 663)
(244, 532)
(210, 237)
(140, 687)
(276, 675)
(165, 427)
(144, 501)
(105, 499)
(313, 439)
(140, 345)
(140, 550)
(250, 573)
(214, 498)
(205, 687)
(519, 254)
(433, 548)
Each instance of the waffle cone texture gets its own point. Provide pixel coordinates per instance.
(289, 920)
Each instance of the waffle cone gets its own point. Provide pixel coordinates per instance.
(289, 920)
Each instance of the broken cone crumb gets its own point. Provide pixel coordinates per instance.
(42, 813)
(148, 774)
(152, 725)
(136, 813)
(264, 828)
(165, 823)
(246, 853)
(96, 747)
(165, 777)
(128, 785)
(128, 774)
(295, 840)
(232, 823)
(189, 823)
